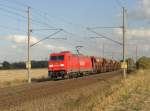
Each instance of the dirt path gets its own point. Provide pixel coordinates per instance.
(16, 95)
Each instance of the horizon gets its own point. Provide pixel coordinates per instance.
(73, 17)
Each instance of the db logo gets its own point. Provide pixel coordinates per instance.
(82, 63)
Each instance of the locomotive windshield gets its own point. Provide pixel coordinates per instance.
(57, 58)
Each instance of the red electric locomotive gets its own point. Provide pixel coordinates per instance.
(67, 64)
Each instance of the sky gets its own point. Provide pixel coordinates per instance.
(73, 16)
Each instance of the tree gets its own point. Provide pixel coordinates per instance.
(39, 64)
(6, 65)
(22, 65)
(143, 63)
(19, 65)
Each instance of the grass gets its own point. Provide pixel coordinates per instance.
(132, 94)
(82, 98)
(17, 77)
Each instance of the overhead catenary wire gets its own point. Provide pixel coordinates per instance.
(74, 35)
(44, 24)
(26, 5)
(16, 13)
(12, 12)
(10, 7)
(60, 19)
(43, 20)
(24, 17)
(45, 13)
(70, 23)
(11, 28)
(105, 37)
(12, 17)
(32, 20)
(119, 3)
(67, 22)
(64, 30)
(46, 37)
(103, 27)
(80, 42)
(63, 20)
(17, 2)
(45, 29)
(15, 18)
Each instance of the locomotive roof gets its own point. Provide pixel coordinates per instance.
(63, 52)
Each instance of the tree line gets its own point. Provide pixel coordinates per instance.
(141, 63)
(22, 65)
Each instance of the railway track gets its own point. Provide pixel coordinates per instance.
(14, 96)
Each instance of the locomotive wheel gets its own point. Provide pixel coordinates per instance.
(81, 74)
(70, 76)
(63, 76)
(77, 75)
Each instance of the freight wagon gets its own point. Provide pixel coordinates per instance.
(68, 65)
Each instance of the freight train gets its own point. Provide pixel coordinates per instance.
(68, 65)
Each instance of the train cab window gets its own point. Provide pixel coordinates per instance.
(53, 58)
(60, 58)
(57, 58)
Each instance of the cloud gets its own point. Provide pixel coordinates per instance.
(135, 32)
(48, 46)
(21, 39)
(146, 47)
(142, 10)
(14, 46)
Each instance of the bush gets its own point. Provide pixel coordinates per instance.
(143, 63)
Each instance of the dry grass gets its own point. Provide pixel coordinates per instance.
(132, 94)
(17, 77)
(79, 99)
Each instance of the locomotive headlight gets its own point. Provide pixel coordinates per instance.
(51, 65)
(62, 65)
